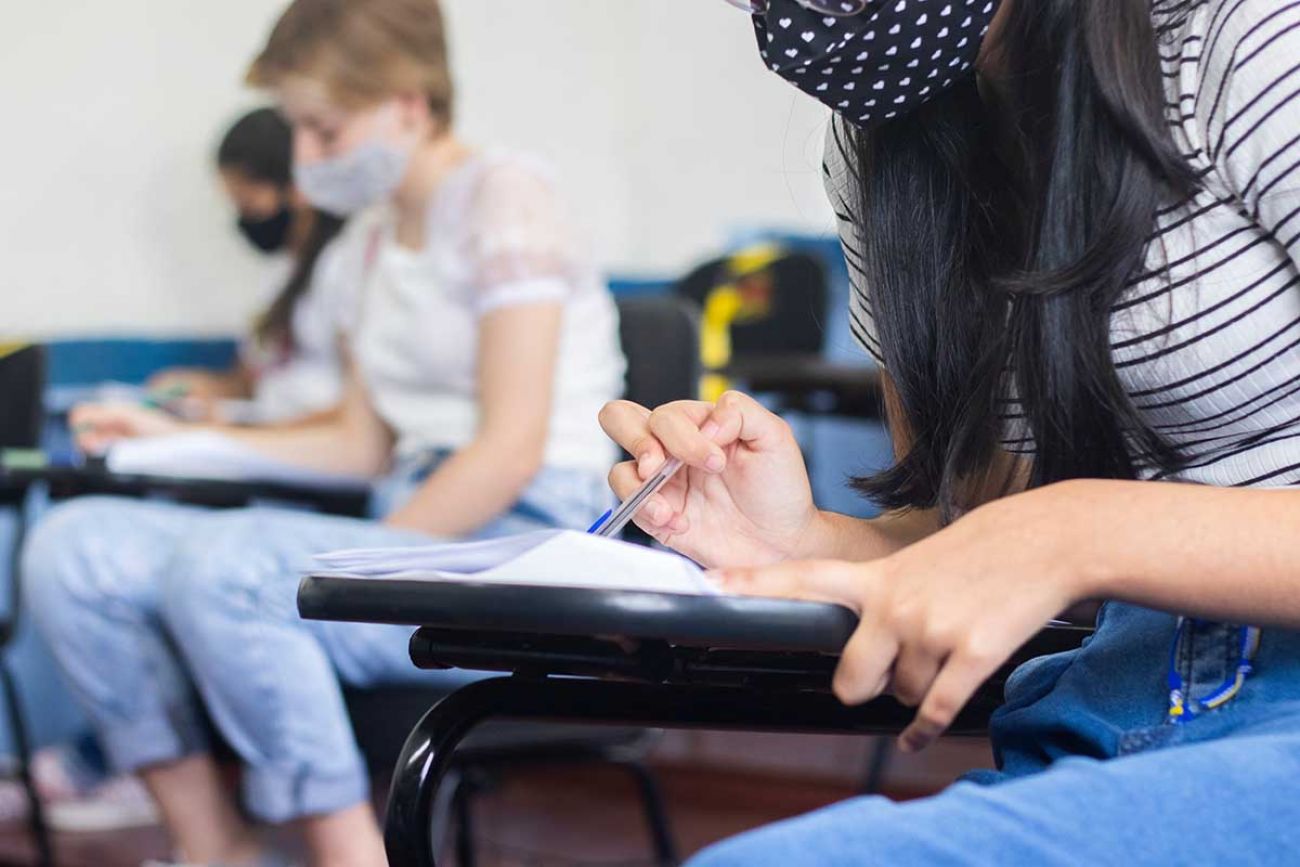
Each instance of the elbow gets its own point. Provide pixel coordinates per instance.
(526, 464)
(365, 456)
(515, 460)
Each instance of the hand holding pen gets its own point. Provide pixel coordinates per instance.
(742, 496)
(612, 522)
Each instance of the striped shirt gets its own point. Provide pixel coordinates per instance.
(1206, 339)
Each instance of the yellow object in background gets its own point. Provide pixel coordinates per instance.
(720, 310)
(745, 296)
(8, 348)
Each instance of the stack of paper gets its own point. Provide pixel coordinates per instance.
(556, 558)
(210, 455)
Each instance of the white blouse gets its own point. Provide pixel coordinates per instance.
(292, 384)
(495, 236)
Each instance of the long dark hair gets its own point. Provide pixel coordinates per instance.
(996, 232)
(260, 146)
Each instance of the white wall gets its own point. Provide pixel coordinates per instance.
(666, 129)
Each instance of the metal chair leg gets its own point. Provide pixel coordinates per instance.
(17, 719)
(427, 755)
(656, 815)
(443, 811)
(416, 798)
(882, 753)
(18, 725)
(466, 851)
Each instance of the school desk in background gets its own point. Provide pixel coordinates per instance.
(763, 330)
(658, 335)
(22, 382)
(22, 415)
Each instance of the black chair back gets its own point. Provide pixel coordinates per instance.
(660, 337)
(22, 389)
(790, 290)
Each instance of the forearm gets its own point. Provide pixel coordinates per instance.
(840, 537)
(236, 383)
(1226, 554)
(327, 446)
(469, 489)
(318, 418)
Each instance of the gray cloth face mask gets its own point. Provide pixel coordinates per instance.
(345, 184)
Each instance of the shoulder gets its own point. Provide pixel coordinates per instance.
(513, 203)
(1230, 23)
(838, 169)
(1249, 47)
(505, 182)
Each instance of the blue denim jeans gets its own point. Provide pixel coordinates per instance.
(154, 610)
(1090, 771)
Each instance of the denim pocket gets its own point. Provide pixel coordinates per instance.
(1034, 679)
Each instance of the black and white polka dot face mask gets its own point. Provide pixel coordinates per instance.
(871, 60)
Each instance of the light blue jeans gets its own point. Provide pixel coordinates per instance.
(154, 610)
(1090, 771)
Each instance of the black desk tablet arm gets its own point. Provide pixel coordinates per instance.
(614, 658)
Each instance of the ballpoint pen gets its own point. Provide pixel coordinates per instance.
(612, 522)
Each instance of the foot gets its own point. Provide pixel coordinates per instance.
(265, 858)
(120, 802)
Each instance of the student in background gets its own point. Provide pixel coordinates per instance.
(288, 365)
(288, 369)
(481, 350)
(1074, 233)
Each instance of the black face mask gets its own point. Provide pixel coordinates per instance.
(268, 234)
(873, 60)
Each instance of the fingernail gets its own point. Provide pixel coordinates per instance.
(710, 430)
(657, 512)
(715, 463)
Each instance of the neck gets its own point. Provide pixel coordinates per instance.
(431, 162)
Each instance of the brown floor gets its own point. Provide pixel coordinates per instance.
(542, 817)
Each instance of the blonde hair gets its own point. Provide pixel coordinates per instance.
(364, 51)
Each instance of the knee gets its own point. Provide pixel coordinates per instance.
(838, 834)
(224, 571)
(739, 851)
(63, 554)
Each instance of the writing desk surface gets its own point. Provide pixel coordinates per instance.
(811, 383)
(732, 621)
(500, 625)
(94, 478)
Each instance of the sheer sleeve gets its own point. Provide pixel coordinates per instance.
(520, 246)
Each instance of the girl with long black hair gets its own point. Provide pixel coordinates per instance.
(289, 365)
(1073, 228)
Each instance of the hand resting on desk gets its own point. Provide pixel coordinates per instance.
(98, 425)
(940, 616)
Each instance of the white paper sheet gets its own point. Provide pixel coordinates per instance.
(556, 558)
(210, 455)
